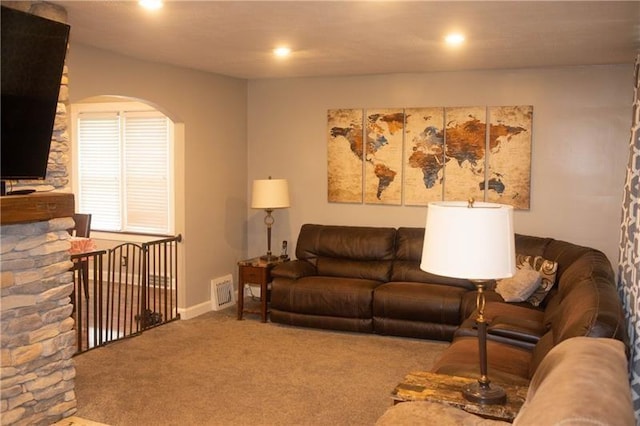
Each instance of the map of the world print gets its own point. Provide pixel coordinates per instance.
(423, 155)
(383, 156)
(419, 155)
(344, 155)
(465, 142)
(509, 170)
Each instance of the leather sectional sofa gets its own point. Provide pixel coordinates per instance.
(582, 381)
(368, 279)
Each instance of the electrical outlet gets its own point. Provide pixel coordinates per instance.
(124, 261)
(252, 290)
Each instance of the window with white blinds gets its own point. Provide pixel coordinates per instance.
(124, 169)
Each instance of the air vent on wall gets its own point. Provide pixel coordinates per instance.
(222, 294)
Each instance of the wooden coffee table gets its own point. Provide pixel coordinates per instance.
(425, 386)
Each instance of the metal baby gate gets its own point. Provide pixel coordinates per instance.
(134, 291)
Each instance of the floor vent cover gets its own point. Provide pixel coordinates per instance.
(222, 294)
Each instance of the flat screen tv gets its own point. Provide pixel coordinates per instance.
(32, 62)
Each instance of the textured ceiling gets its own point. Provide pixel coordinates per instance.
(330, 38)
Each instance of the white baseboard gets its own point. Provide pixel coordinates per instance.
(194, 311)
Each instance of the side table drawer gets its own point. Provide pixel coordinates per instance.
(253, 275)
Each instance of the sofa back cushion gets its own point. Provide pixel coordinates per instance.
(408, 256)
(588, 288)
(531, 246)
(586, 303)
(348, 251)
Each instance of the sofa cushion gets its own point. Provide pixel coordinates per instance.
(547, 270)
(582, 380)
(506, 363)
(413, 329)
(326, 296)
(519, 287)
(509, 323)
(418, 302)
(359, 325)
(532, 246)
(366, 269)
(406, 267)
(349, 251)
(590, 309)
(587, 305)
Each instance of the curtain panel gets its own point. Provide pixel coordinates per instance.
(629, 258)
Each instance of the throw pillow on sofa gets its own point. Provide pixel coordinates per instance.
(547, 269)
(521, 286)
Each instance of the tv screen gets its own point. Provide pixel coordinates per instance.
(32, 62)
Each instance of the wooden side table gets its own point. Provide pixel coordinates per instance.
(425, 386)
(255, 271)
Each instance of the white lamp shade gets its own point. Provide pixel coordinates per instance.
(270, 194)
(475, 243)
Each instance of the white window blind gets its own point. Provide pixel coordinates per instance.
(100, 171)
(124, 171)
(146, 162)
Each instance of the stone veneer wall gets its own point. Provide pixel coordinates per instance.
(59, 163)
(37, 333)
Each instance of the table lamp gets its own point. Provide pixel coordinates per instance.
(474, 241)
(270, 194)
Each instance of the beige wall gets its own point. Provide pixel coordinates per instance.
(212, 110)
(582, 118)
(580, 139)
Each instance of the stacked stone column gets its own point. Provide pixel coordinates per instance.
(37, 330)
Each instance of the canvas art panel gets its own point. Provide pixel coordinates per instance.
(465, 148)
(344, 155)
(384, 131)
(423, 155)
(509, 167)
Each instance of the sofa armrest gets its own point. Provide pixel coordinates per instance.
(516, 328)
(513, 332)
(294, 270)
(582, 380)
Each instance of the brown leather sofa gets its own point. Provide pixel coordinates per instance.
(368, 279)
(582, 381)
(365, 279)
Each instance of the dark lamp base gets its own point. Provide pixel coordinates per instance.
(484, 394)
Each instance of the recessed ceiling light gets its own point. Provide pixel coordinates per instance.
(282, 51)
(454, 39)
(151, 4)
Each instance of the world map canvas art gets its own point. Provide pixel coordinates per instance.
(383, 156)
(418, 155)
(344, 155)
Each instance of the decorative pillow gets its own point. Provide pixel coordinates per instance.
(519, 287)
(547, 270)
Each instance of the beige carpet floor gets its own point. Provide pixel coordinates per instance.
(216, 370)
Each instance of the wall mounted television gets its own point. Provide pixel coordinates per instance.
(32, 62)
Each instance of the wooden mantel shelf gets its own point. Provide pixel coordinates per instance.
(36, 207)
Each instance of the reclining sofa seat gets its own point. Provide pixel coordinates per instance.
(415, 303)
(331, 283)
(365, 279)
